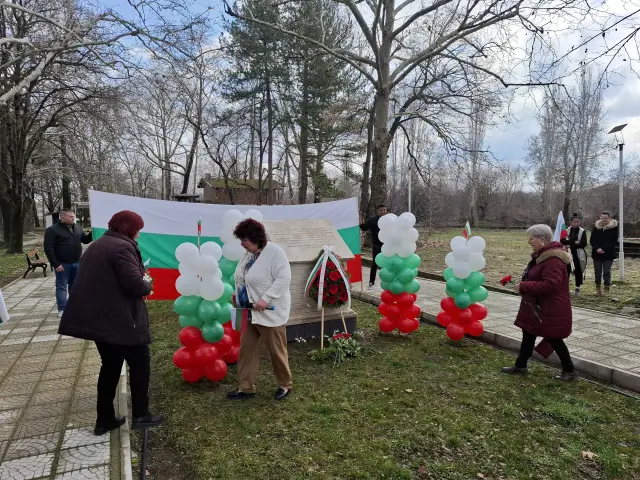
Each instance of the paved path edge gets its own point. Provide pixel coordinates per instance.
(626, 380)
(125, 438)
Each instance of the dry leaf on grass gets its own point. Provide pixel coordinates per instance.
(589, 455)
(480, 475)
(409, 390)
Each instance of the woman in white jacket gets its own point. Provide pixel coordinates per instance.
(262, 279)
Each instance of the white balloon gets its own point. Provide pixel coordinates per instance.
(231, 218)
(476, 244)
(385, 235)
(458, 241)
(477, 261)
(395, 238)
(461, 269)
(187, 269)
(461, 252)
(409, 218)
(227, 236)
(218, 274)
(233, 251)
(412, 235)
(187, 253)
(211, 248)
(450, 260)
(388, 222)
(388, 249)
(406, 248)
(187, 285)
(207, 266)
(211, 289)
(254, 214)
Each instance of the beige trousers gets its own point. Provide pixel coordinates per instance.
(275, 338)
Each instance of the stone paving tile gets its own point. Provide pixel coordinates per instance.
(9, 416)
(6, 430)
(33, 446)
(55, 385)
(80, 436)
(50, 397)
(86, 418)
(14, 401)
(9, 389)
(36, 412)
(93, 473)
(27, 468)
(41, 426)
(59, 373)
(83, 457)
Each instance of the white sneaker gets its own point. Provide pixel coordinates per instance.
(60, 313)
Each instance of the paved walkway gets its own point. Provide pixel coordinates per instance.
(604, 338)
(48, 394)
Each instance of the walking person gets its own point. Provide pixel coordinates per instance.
(107, 307)
(604, 239)
(63, 248)
(371, 224)
(262, 279)
(545, 307)
(576, 240)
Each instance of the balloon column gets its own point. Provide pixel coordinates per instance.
(399, 269)
(206, 284)
(461, 311)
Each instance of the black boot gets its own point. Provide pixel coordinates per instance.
(281, 393)
(566, 376)
(514, 370)
(148, 421)
(104, 427)
(238, 395)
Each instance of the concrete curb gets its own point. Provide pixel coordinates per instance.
(620, 378)
(125, 440)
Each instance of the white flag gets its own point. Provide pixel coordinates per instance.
(4, 314)
(560, 225)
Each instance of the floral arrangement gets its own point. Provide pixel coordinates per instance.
(506, 280)
(341, 346)
(148, 278)
(335, 291)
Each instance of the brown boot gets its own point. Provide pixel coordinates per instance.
(606, 289)
(598, 290)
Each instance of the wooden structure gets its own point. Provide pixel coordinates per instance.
(34, 262)
(244, 192)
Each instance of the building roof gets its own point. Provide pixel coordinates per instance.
(238, 184)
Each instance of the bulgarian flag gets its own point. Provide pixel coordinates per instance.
(466, 233)
(168, 224)
(239, 319)
(560, 228)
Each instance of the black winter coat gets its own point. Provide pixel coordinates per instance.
(606, 238)
(372, 225)
(63, 244)
(106, 303)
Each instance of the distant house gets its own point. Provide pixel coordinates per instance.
(244, 192)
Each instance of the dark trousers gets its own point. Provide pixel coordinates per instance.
(603, 270)
(529, 342)
(577, 271)
(374, 267)
(113, 356)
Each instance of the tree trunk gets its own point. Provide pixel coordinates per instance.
(269, 144)
(190, 159)
(381, 143)
(66, 180)
(365, 198)
(304, 137)
(34, 207)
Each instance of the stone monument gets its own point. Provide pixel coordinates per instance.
(303, 241)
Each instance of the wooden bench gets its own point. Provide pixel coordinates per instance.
(34, 262)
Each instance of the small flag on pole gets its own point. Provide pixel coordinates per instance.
(466, 233)
(200, 225)
(560, 226)
(239, 319)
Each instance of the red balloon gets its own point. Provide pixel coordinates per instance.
(183, 358)
(232, 355)
(479, 311)
(216, 371)
(444, 319)
(191, 375)
(412, 312)
(475, 328)
(228, 329)
(405, 300)
(394, 313)
(386, 325)
(190, 337)
(388, 297)
(224, 344)
(383, 308)
(415, 296)
(408, 325)
(455, 332)
(205, 355)
(465, 316)
(448, 305)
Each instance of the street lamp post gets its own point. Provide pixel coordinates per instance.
(620, 142)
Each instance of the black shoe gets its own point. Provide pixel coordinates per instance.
(147, 422)
(566, 376)
(104, 427)
(514, 370)
(238, 395)
(281, 394)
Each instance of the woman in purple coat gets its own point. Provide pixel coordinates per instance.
(545, 308)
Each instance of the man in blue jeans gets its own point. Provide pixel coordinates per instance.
(63, 247)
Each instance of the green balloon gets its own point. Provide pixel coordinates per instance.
(226, 295)
(387, 275)
(450, 293)
(455, 285)
(230, 280)
(412, 287)
(415, 272)
(384, 285)
(212, 332)
(227, 267)
(395, 264)
(208, 311)
(190, 322)
(412, 261)
(478, 294)
(476, 279)
(406, 275)
(382, 261)
(462, 300)
(187, 305)
(225, 312)
(396, 287)
(448, 273)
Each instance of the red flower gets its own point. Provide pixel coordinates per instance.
(506, 280)
(343, 297)
(333, 289)
(339, 336)
(331, 300)
(335, 276)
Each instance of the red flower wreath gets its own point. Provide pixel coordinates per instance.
(335, 293)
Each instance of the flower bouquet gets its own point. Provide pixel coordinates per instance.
(341, 346)
(335, 290)
(508, 280)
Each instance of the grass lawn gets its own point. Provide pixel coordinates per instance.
(416, 407)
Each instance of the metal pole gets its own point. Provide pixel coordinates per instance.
(145, 447)
(621, 224)
(410, 178)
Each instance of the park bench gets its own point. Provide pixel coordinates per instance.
(34, 262)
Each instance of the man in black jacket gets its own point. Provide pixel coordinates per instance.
(63, 247)
(372, 225)
(604, 239)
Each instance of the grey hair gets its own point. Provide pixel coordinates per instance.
(541, 231)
